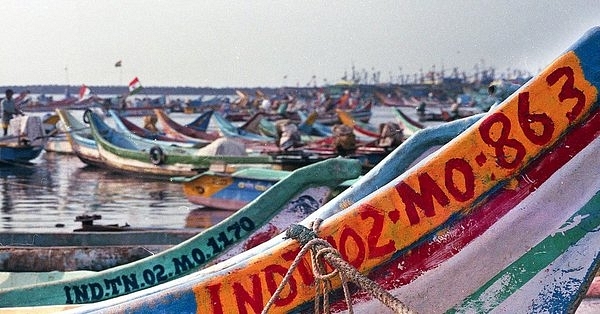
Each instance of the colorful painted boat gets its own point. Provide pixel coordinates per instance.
(58, 144)
(125, 154)
(523, 176)
(229, 130)
(182, 132)
(25, 141)
(81, 139)
(311, 126)
(232, 191)
(360, 128)
(409, 125)
(123, 125)
(404, 157)
(291, 199)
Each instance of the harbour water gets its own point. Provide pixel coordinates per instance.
(48, 195)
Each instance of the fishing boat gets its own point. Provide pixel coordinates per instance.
(403, 158)
(182, 132)
(25, 141)
(229, 130)
(124, 154)
(291, 199)
(55, 132)
(80, 137)
(360, 128)
(522, 176)
(232, 191)
(41, 252)
(409, 125)
(311, 126)
(123, 125)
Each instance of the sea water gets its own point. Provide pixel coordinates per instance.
(48, 195)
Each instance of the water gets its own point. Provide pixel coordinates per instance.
(48, 195)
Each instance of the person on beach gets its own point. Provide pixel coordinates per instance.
(9, 110)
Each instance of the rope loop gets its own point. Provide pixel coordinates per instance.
(322, 252)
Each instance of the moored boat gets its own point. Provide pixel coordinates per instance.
(428, 239)
(182, 132)
(232, 191)
(291, 199)
(25, 140)
(125, 126)
(124, 154)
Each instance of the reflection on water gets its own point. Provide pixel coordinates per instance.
(205, 217)
(59, 187)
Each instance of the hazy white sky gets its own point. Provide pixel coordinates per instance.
(258, 43)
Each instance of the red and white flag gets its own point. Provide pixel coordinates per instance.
(84, 91)
(134, 86)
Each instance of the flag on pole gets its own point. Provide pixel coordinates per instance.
(134, 86)
(84, 91)
(118, 64)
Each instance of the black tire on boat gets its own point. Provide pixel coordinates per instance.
(157, 156)
(85, 117)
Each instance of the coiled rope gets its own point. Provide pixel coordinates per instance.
(322, 251)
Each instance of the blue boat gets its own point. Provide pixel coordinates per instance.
(24, 142)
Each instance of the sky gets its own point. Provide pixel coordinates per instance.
(278, 43)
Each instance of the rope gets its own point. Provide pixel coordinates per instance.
(322, 251)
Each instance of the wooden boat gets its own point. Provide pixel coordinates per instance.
(123, 125)
(311, 126)
(229, 130)
(81, 139)
(58, 144)
(25, 140)
(232, 191)
(201, 122)
(406, 156)
(122, 153)
(523, 175)
(291, 199)
(360, 128)
(82, 250)
(445, 113)
(55, 132)
(331, 118)
(181, 132)
(409, 125)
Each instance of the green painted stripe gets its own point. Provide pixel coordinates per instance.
(512, 278)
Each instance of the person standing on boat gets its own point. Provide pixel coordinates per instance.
(9, 110)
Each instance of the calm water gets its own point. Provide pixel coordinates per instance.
(50, 194)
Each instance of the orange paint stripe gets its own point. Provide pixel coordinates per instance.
(451, 182)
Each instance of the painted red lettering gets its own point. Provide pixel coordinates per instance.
(463, 167)
(568, 90)
(347, 234)
(526, 119)
(411, 198)
(270, 273)
(368, 211)
(303, 268)
(502, 142)
(215, 298)
(254, 299)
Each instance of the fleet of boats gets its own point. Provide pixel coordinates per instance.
(493, 210)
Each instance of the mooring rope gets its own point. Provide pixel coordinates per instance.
(322, 251)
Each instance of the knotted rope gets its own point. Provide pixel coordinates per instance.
(322, 251)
